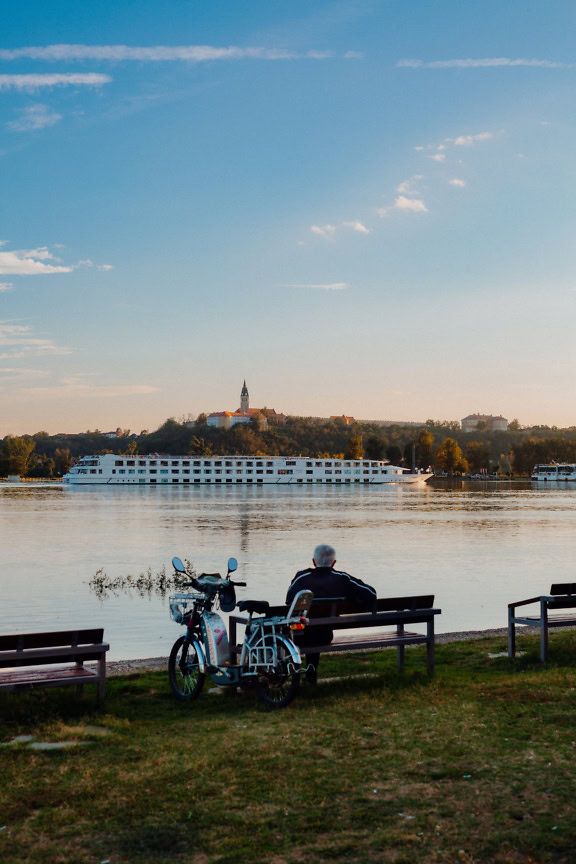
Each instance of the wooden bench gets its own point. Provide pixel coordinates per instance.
(54, 649)
(341, 615)
(562, 596)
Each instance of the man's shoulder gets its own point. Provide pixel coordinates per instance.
(300, 573)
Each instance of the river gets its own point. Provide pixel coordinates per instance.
(476, 546)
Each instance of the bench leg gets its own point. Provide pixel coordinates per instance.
(400, 649)
(79, 687)
(543, 632)
(430, 647)
(511, 634)
(101, 685)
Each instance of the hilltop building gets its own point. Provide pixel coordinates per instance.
(228, 419)
(493, 424)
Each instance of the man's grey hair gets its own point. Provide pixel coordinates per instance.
(324, 555)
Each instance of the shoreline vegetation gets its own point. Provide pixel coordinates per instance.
(438, 444)
(473, 767)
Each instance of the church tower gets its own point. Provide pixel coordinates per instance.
(244, 399)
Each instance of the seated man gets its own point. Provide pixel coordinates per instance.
(327, 584)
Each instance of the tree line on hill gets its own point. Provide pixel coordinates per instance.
(438, 444)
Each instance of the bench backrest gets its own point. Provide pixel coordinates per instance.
(334, 608)
(60, 639)
(563, 588)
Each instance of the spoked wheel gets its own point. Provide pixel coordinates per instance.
(278, 685)
(186, 679)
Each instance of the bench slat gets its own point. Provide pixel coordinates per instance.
(53, 655)
(25, 641)
(44, 676)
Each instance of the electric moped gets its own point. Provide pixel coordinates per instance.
(269, 660)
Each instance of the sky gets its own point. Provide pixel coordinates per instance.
(361, 207)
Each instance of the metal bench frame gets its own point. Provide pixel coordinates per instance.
(54, 649)
(562, 596)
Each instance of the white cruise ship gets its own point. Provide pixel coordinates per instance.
(113, 470)
(557, 472)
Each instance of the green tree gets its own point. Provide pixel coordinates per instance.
(393, 453)
(199, 447)
(477, 456)
(16, 453)
(355, 449)
(514, 425)
(62, 460)
(424, 448)
(449, 457)
(202, 420)
(375, 447)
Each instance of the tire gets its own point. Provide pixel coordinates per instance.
(278, 687)
(186, 680)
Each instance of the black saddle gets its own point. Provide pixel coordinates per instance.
(254, 606)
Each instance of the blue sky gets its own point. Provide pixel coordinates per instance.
(362, 208)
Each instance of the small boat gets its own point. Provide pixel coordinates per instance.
(557, 472)
(115, 470)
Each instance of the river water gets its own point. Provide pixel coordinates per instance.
(475, 546)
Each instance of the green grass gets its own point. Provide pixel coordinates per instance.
(476, 766)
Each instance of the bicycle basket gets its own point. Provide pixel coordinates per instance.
(181, 605)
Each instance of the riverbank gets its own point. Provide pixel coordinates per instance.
(474, 766)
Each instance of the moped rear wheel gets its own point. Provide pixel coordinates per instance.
(278, 685)
(186, 679)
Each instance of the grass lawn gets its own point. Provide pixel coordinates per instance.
(476, 766)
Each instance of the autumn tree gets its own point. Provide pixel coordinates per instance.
(424, 448)
(375, 447)
(477, 456)
(449, 457)
(16, 453)
(355, 449)
(62, 460)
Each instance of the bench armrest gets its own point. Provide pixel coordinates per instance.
(525, 602)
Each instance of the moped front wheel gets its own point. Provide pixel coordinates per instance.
(186, 679)
(277, 685)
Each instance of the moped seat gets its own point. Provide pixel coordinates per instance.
(254, 606)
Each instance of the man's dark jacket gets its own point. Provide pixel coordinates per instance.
(328, 584)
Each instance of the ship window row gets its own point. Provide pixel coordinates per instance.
(206, 471)
(143, 463)
(229, 480)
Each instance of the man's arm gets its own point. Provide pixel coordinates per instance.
(359, 591)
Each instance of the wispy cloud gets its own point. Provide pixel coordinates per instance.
(6, 286)
(20, 375)
(322, 230)
(86, 262)
(34, 117)
(66, 79)
(410, 205)
(359, 227)
(456, 182)
(484, 63)
(20, 341)
(322, 286)
(438, 157)
(32, 262)
(409, 187)
(469, 140)
(76, 385)
(159, 53)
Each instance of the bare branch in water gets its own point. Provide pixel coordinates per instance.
(146, 584)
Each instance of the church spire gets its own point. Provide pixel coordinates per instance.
(244, 399)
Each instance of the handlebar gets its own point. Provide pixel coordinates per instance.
(238, 584)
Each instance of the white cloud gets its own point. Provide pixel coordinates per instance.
(483, 63)
(456, 182)
(34, 117)
(359, 227)
(21, 342)
(105, 267)
(36, 81)
(468, 140)
(322, 230)
(20, 374)
(353, 55)
(408, 187)
(155, 53)
(438, 157)
(412, 205)
(76, 386)
(6, 286)
(325, 286)
(28, 263)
